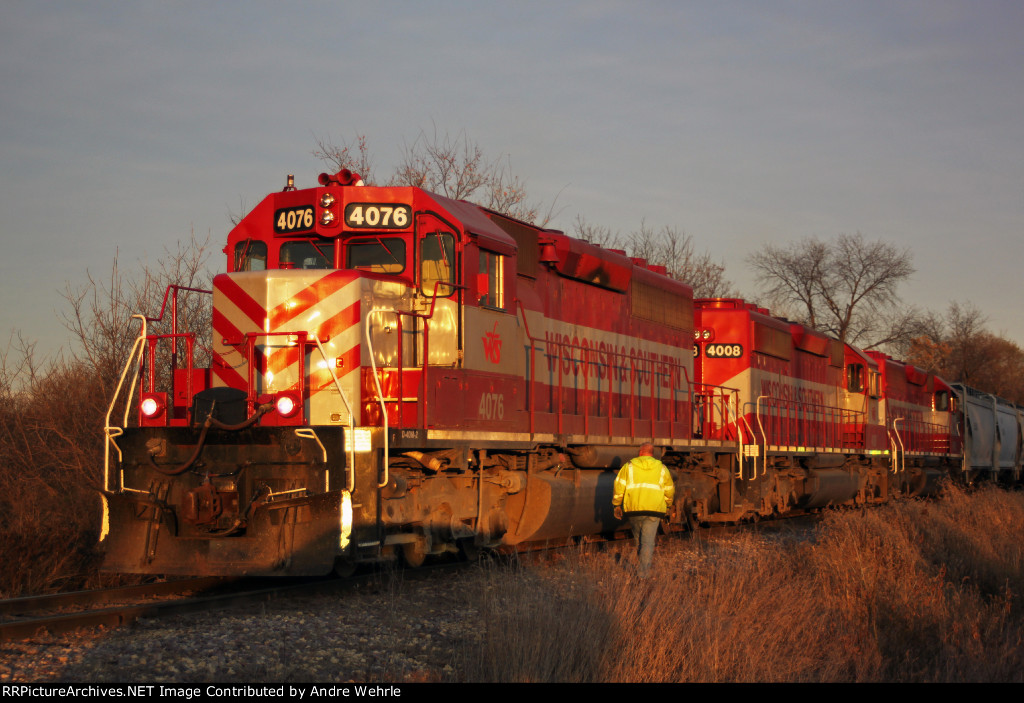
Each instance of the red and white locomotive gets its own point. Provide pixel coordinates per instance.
(398, 373)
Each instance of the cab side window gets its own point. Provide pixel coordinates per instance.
(437, 263)
(490, 280)
(855, 378)
(875, 384)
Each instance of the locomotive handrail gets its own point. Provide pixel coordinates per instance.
(174, 303)
(309, 433)
(138, 348)
(376, 381)
(533, 373)
(737, 418)
(190, 342)
(764, 436)
(423, 376)
(922, 436)
(425, 316)
(707, 395)
(350, 482)
(174, 331)
(580, 359)
(741, 422)
(793, 423)
(900, 452)
(302, 338)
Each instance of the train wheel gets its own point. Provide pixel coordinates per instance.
(468, 549)
(344, 567)
(414, 553)
(691, 521)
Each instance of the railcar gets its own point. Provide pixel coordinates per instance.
(395, 374)
(992, 436)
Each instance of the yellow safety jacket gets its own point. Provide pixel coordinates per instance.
(644, 487)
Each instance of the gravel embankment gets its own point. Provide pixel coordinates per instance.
(393, 631)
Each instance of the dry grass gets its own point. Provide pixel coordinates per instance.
(50, 467)
(52, 408)
(910, 592)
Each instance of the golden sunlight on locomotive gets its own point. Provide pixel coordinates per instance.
(396, 374)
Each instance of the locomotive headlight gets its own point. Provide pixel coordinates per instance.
(286, 404)
(696, 334)
(326, 217)
(326, 200)
(346, 520)
(151, 406)
(105, 525)
(707, 335)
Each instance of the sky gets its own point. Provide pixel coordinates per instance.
(125, 127)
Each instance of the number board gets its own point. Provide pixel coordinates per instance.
(377, 215)
(723, 351)
(293, 219)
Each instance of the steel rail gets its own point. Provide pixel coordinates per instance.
(126, 614)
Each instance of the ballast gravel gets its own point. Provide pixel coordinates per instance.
(391, 631)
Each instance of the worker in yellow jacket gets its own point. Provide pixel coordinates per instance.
(643, 493)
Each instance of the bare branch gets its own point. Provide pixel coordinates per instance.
(845, 288)
(354, 155)
(453, 166)
(600, 235)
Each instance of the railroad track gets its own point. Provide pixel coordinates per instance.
(110, 607)
(22, 618)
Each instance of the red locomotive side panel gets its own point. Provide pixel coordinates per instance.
(605, 341)
(614, 363)
(914, 424)
(786, 375)
(862, 393)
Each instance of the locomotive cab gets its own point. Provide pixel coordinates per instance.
(338, 333)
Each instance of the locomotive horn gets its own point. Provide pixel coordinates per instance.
(344, 177)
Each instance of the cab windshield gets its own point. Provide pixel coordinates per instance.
(307, 255)
(376, 254)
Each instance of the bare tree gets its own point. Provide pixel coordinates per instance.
(792, 275)
(671, 248)
(950, 345)
(601, 235)
(354, 155)
(958, 347)
(847, 287)
(667, 247)
(52, 412)
(99, 312)
(455, 167)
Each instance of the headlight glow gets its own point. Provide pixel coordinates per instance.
(151, 406)
(286, 405)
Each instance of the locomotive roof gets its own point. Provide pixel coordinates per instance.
(476, 223)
